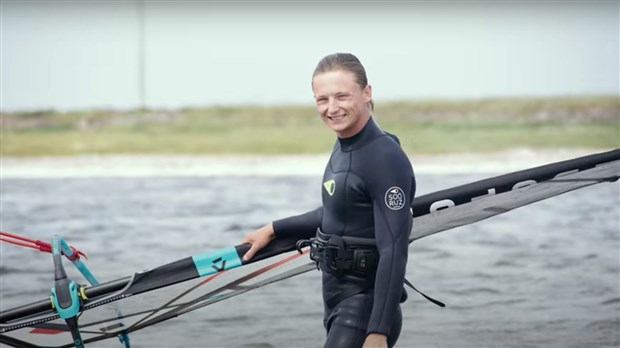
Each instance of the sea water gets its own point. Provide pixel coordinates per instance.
(545, 275)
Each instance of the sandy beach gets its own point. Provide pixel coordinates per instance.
(263, 165)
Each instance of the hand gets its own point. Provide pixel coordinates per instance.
(375, 340)
(259, 239)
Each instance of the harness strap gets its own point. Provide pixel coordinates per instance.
(331, 302)
(440, 304)
(349, 256)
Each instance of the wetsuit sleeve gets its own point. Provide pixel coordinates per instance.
(299, 226)
(392, 187)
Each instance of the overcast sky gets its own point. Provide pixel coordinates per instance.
(86, 54)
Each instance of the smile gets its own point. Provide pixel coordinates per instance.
(335, 118)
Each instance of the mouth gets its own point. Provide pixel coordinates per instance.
(336, 117)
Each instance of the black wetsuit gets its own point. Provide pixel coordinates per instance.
(368, 187)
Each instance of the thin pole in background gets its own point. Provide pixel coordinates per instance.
(141, 56)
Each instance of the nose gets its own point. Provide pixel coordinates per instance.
(332, 106)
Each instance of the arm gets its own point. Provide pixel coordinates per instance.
(389, 183)
(299, 226)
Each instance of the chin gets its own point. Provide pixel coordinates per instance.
(338, 128)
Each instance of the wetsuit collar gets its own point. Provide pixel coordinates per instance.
(369, 132)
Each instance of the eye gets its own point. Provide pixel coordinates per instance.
(321, 100)
(342, 96)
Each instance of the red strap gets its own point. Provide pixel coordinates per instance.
(37, 244)
(76, 254)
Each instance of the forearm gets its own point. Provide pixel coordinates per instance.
(388, 287)
(299, 226)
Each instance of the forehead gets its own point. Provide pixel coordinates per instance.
(334, 81)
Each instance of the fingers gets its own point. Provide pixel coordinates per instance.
(250, 253)
(254, 242)
(258, 239)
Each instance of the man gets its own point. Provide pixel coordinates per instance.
(361, 231)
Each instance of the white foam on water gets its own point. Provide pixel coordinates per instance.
(93, 166)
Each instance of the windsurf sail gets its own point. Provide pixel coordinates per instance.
(469, 203)
(162, 293)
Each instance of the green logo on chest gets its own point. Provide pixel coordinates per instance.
(330, 186)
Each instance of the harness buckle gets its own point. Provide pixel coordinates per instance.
(364, 261)
(336, 257)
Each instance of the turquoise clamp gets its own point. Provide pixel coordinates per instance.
(66, 301)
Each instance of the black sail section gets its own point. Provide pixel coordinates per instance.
(469, 203)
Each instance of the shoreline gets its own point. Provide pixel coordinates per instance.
(93, 166)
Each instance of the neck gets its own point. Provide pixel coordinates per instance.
(353, 131)
(367, 133)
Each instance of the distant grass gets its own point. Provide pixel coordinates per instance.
(422, 126)
(480, 136)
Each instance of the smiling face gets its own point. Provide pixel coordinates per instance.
(341, 102)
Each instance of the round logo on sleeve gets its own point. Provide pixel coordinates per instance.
(395, 198)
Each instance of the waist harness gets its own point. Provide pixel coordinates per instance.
(351, 256)
(346, 256)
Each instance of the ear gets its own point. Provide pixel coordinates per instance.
(367, 93)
